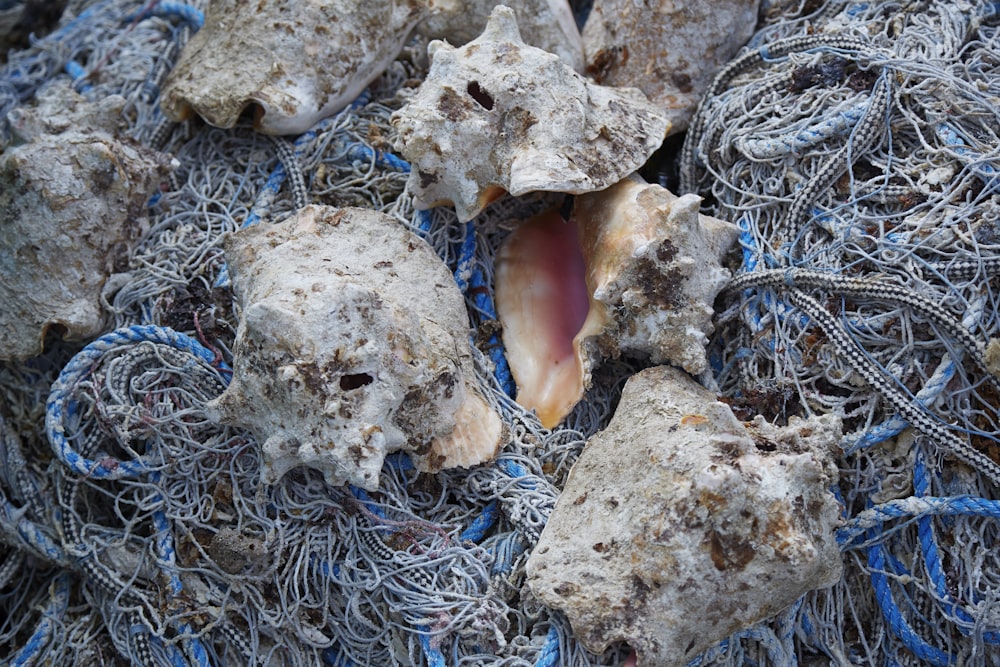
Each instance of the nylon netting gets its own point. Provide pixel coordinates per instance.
(855, 144)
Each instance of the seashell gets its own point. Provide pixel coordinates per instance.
(546, 24)
(663, 518)
(73, 191)
(497, 115)
(295, 62)
(353, 343)
(669, 49)
(635, 271)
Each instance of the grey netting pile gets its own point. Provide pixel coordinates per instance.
(856, 146)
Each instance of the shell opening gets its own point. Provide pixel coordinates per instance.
(355, 381)
(481, 96)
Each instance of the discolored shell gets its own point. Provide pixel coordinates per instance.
(635, 271)
(73, 194)
(680, 525)
(669, 49)
(497, 115)
(353, 343)
(294, 61)
(547, 24)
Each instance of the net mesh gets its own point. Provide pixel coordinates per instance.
(856, 146)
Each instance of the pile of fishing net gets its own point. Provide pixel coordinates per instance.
(855, 144)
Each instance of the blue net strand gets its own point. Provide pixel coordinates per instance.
(189, 14)
(549, 655)
(34, 649)
(909, 508)
(482, 524)
(894, 617)
(34, 537)
(60, 406)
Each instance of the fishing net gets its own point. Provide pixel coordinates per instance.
(856, 146)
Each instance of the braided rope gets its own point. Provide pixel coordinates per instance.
(876, 378)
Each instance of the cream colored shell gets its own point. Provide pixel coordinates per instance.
(353, 343)
(73, 196)
(680, 525)
(497, 115)
(293, 61)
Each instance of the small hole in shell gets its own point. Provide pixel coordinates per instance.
(482, 97)
(355, 380)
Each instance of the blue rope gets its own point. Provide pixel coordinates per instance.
(193, 16)
(79, 76)
(482, 300)
(34, 536)
(549, 654)
(518, 472)
(896, 424)
(932, 559)
(61, 405)
(52, 615)
(481, 525)
(466, 257)
(892, 614)
(166, 558)
(913, 507)
(434, 656)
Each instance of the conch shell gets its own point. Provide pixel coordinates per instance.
(295, 61)
(353, 343)
(680, 525)
(73, 193)
(497, 115)
(635, 271)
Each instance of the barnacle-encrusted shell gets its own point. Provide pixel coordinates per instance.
(498, 115)
(669, 49)
(680, 525)
(295, 61)
(73, 195)
(635, 271)
(547, 24)
(353, 343)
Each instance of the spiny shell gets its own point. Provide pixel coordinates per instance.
(669, 49)
(353, 343)
(636, 271)
(296, 61)
(547, 24)
(73, 195)
(497, 115)
(680, 525)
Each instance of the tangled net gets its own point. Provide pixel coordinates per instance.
(856, 145)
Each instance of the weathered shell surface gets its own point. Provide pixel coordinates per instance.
(669, 49)
(497, 115)
(73, 195)
(638, 274)
(353, 343)
(680, 525)
(296, 61)
(547, 24)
